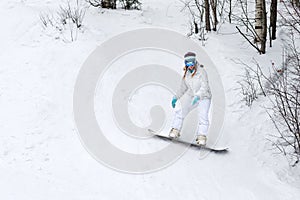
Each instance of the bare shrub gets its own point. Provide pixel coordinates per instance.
(290, 16)
(248, 87)
(282, 87)
(112, 4)
(68, 18)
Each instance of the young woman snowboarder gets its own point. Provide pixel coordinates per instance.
(196, 87)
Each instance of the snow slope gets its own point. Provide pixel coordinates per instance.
(41, 156)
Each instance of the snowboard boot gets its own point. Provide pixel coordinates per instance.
(201, 140)
(174, 133)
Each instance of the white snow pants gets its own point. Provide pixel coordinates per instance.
(186, 106)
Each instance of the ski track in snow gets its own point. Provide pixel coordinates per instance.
(41, 156)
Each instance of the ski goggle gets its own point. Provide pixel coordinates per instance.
(189, 64)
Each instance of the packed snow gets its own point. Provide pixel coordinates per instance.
(41, 155)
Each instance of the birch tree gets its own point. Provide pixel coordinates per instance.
(261, 24)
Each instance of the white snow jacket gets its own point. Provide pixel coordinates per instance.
(195, 86)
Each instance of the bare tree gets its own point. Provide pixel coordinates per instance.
(261, 24)
(207, 15)
(291, 16)
(256, 28)
(285, 92)
(273, 19)
(246, 26)
(197, 24)
(230, 11)
(284, 96)
(286, 107)
(213, 4)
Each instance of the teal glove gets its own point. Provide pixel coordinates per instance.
(174, 100)
(195, 100)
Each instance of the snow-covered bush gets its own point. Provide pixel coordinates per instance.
(67, 20)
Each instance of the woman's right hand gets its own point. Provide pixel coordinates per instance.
(174, 100)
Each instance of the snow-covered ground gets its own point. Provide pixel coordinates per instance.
(41, 156)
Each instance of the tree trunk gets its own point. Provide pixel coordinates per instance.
(261, 24)
(230, 11)
(258, 20)
(296, 3)
(196, 27)
(265, 28)
(207, 15)
(273, 18)
(213, 4)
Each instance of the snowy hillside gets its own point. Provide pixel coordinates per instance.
(41, 154)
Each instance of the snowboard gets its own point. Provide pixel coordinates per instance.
(193, 144)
